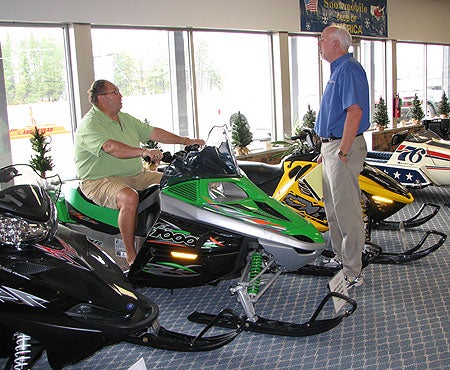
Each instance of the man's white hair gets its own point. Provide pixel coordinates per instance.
(343, 36)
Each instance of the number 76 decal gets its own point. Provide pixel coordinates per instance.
(412, 154)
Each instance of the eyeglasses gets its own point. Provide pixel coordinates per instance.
(115, 92)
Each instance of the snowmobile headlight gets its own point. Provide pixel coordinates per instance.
(380, 199)
(15, 230)
(225, 192)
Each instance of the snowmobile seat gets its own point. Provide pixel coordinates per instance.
(378, 156)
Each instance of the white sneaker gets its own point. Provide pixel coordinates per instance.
(333, 263)
(357, 281)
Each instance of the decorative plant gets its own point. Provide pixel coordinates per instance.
(380, 115)
(292, 146)
(150, 144)
(309, 119)
(240, 133)
(41, 162)
(444, 106)
(416, 109)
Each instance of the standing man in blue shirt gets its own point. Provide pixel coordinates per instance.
(342, 119)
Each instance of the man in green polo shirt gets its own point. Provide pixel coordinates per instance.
(108, 157)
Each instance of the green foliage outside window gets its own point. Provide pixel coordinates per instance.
(39, 74)
(137, 77)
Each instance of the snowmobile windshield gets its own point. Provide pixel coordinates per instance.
(215, 159)
(27, 212)
(423, 136)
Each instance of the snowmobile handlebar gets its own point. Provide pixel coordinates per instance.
(169, 157)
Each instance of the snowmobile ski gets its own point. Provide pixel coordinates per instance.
(174, 341)
(282, 328)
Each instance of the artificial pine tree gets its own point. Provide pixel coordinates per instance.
(240, 133)
(416, 110)
(309, 119)
(41, 162)
(380, 115)
(444, 106)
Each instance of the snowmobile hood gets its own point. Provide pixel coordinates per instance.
(385, 184)
(66, 266)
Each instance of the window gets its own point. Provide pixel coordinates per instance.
(373, 56)
(410, 75)
(304, 54)
(423, 70)
(438, 67)
(35, 75)
(233, 74)
(149, 68)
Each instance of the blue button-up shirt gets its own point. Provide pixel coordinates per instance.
(347, 86)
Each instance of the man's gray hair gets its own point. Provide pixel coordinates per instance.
(96, 89)
(344, 37)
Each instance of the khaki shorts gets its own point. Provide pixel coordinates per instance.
(104, 191)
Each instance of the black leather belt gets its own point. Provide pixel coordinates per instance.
(329, 139)
(332, 138)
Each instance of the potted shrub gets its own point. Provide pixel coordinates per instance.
(41, 161)
(444, 106)
(416, 110)
(380, 115)
(309, 119)
(240, 133)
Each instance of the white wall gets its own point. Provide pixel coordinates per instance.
(416, 20)
(229, 14)
(419, 20)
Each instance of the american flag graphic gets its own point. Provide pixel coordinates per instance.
(311, 5)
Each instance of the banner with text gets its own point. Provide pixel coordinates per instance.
(362, 18)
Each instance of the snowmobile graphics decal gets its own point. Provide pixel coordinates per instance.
(8, 294)
(81, 217)
(212, 243)
(66, 253)
(171, 234)
(404, 175)
(309, 210)
(413, 154)
(170, 269)
(97, 243)
(232, 211)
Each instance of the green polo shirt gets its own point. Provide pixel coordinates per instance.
(95, 129)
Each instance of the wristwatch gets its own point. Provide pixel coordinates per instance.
(342, 154)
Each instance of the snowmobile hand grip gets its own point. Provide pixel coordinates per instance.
(192, 148)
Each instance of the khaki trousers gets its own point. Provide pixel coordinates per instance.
(104, 191)
(342, 198)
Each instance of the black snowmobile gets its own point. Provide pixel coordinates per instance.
(60, 294)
